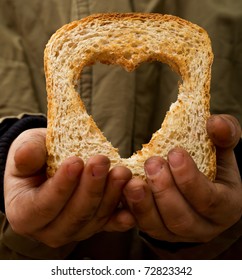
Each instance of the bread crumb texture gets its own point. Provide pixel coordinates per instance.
(129, 40)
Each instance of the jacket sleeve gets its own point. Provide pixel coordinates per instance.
(12, 245)
(227, 245)
(17, 93)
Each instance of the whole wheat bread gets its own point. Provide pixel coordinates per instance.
(128, 40)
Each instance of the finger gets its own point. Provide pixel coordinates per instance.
(56, 191)
(141, 204)
(83, 204)
(178, 223)
(172, 205)
(117, 179)
(225, 132)
(91, 187)
(29, 152)
(206, 197)
(210, 200)
(195, 187)
(177, 215)
(105, 209)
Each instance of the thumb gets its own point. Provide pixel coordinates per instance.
(225, 132)
(28, 152)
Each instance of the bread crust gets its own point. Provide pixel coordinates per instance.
(184, 46)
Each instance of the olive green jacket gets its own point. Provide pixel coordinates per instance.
(128, 107)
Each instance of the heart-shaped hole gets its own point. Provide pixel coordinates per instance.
(128, 107)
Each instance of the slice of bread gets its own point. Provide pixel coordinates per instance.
(128, 40)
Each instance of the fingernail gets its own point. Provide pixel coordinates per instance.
(153, 167)
(176, 158)
(100, 171)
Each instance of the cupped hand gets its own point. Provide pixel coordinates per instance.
(178, 203)
(77, 202)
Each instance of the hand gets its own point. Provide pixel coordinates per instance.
(178, 203)
(74, 204)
